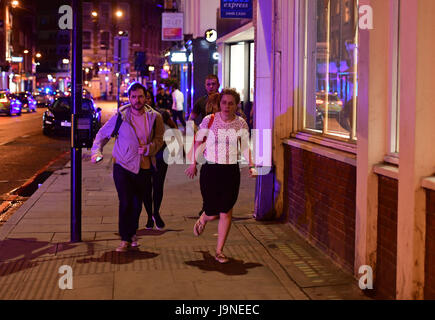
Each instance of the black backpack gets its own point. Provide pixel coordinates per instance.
(117, 126)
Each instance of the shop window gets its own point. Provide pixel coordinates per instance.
(241, 70)
(251, 71)
(331, 51)
(237, 68)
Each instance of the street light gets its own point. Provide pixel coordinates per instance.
(94, 13)
(65, 61)
(26, 51)
(119, 13)
(38, 55)
(15, 3)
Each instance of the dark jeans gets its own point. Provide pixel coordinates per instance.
(179, 115)
(158, 183)
(131, 188)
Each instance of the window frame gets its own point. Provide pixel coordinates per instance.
(392, 155)
(301, 60)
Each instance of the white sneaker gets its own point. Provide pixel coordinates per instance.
(123, 246)
(134, 242)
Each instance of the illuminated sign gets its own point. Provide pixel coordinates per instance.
(236, 9)
(211, 35)
(17, 59)
(179, 57)
(172, 26)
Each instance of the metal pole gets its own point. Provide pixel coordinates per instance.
(76, 95)
(119, 69)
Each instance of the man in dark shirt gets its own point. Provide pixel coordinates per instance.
(212, 86)
(168, 100)
(160, 98)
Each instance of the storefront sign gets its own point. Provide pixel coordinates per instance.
(172, 26)
(17, 59)
(236, 9)
(211, 35)
(179, 57)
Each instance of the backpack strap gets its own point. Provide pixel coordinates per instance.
(117, 126)
(211, 121)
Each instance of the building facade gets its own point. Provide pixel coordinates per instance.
(346, 88)
(17, 46)
(53, 46)
(103, 21)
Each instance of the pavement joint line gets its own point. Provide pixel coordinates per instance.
(278, 270)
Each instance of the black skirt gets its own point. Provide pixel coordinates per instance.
(220, 185)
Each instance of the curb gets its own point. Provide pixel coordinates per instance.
(22, 211)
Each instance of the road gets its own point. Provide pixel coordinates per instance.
(24, 150)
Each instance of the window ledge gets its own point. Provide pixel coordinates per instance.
(326, 142)
(387, 170)
(428, 183)
(392, 158)
(328, 152)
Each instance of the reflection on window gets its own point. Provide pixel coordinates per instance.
(331, 67)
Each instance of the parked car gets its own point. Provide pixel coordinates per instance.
(43, 99)
(57, 118)
(28, 102)
(335, 105)
(9, 104)
(123, 99)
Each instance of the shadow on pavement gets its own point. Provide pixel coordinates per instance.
(121, 257)
(233, 218)
(26, 250)
(154, 232)
(232, 268)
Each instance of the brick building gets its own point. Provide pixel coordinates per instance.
(141, 20)
(349, 105)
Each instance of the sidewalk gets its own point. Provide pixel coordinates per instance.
(269, 261)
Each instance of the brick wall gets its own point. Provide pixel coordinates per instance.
(320, 202)
(386, 255)
(429, 287)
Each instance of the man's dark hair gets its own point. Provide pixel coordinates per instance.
(135, 86)
(175, 86)
(212, 76)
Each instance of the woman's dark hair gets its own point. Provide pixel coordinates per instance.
(213, 100)
(135, 86)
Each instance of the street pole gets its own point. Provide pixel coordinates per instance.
(119, 70)
(76, 152)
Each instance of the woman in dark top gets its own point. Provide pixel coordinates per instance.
(158, 175)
